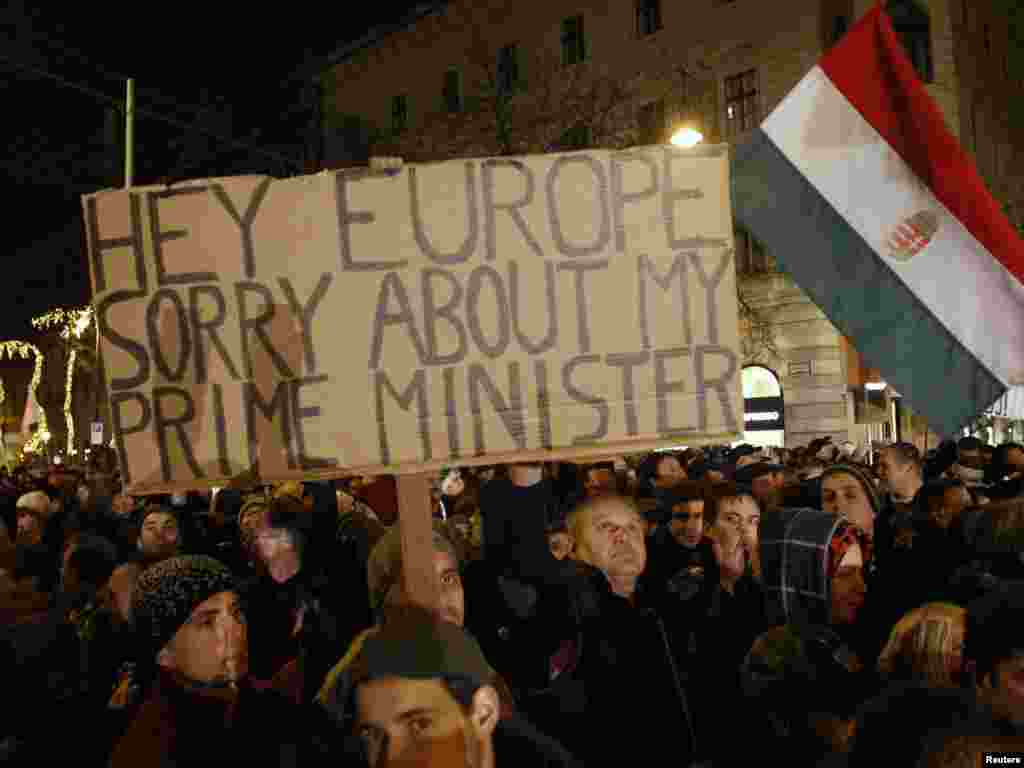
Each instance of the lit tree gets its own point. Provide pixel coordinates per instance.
(76, 329)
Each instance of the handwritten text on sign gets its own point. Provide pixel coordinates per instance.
(438, 313)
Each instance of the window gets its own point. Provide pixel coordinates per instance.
(758, 381)
(742, 111)
(399, 114)
(508, 69)
(839, 26)
(751, 257)
(451, 92)
(651, 123)
(574, 44)
(648, 17)
(914, 29)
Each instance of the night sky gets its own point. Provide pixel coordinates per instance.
(193, 60)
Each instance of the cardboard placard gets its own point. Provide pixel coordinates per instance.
(470, 311)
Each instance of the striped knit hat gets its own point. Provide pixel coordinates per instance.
(863, 478)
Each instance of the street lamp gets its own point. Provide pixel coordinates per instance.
(687, 137)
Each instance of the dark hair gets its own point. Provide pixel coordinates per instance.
(998, 467)
(969, 444)
(720, 493)
(462, 690)
(906, 453)
(682, 492)
(933, 493)
(93, 558)
(647, 473)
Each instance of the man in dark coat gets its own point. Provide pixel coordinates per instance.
(615, 672)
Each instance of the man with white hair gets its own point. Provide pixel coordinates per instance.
(616, 671)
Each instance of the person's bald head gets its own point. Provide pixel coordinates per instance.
(609, 534)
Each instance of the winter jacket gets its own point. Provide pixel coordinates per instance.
(501, 613)
(518, 743)
(617, 676)
(272, 610)
(175, 727)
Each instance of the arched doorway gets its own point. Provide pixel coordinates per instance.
(764, 412)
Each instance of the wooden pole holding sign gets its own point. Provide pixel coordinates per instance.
(416, 528)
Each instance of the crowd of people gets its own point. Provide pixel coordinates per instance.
(821, 605)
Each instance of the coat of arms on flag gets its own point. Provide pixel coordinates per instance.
(912, 235)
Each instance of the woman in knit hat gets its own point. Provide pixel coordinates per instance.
(191, 633)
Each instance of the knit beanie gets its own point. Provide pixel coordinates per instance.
(168, 592)
(863, 478)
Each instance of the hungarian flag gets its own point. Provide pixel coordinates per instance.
(858, 188)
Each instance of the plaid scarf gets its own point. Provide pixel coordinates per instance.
(795, 546)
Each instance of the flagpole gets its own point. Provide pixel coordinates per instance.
(129, 134)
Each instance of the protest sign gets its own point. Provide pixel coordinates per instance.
(470, 311)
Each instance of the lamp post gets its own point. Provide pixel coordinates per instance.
(687, 137)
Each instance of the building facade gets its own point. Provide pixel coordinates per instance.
(470, 78)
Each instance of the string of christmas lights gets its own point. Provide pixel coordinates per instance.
(69, 418)
(23, 349)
